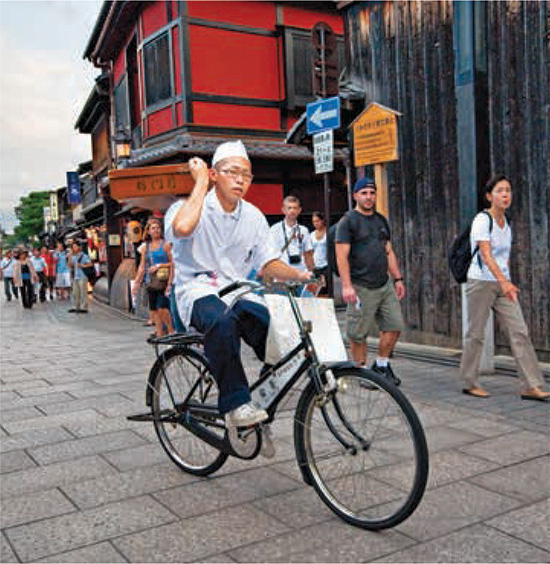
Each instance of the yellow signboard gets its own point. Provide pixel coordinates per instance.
(375, 136)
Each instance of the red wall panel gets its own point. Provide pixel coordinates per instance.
(176, 59)
(266, 197)
(252, 14)
(231, 115)
(233, 64)
(119, 66)
(299, 17)
(159, 122)
(179, 113)
(153, 17)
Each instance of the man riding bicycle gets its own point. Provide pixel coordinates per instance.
(219, 238)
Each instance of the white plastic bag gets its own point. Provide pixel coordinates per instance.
(283, 333)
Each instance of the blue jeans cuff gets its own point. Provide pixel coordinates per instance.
(234, 400)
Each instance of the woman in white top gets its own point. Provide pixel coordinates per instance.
(489, 288)
(319, 242)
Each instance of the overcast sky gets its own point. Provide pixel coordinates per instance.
(44, 83)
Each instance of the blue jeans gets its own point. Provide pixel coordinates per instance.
(223, 329)
(179, 327)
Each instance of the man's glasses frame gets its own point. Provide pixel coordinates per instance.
(236, 172)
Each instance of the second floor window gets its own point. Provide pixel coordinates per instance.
(156, 64)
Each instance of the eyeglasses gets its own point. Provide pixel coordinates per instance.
(236, 172)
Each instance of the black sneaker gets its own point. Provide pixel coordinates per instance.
(387, 372)
(72, 310)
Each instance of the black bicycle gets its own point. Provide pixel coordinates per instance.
(358, 440)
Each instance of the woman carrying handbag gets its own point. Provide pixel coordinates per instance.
(155, 269)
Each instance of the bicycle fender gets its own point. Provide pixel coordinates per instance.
(161, 359)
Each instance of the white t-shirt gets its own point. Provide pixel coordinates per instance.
(39, 264)
(7, 267)
(319, 250)
(501, 243)
(223, 248)
(300, 242)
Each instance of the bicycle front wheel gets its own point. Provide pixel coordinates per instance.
(363, 450)
(179, 375)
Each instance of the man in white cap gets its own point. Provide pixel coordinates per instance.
(219, 238)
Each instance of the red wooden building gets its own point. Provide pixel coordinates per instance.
(186, 76)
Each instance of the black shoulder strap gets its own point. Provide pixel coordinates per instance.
(476, 250)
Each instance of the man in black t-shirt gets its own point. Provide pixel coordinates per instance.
(365, 262)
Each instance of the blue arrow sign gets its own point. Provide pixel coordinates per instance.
(322, 115)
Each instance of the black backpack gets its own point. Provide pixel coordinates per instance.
(331, 242)
(460, 254)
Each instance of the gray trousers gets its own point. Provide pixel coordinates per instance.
(80, 294)
(482, 296)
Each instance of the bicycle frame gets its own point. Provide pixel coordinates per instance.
(271, 388)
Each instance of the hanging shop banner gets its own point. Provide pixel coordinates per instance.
(73, 188)
(375, 138)
(54, 210)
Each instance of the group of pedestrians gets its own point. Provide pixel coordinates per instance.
(44, 273)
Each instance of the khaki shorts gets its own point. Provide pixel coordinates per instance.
(380, 305)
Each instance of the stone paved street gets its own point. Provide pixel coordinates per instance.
(80, 483)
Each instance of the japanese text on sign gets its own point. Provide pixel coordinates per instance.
(323, 152)
(375, 136)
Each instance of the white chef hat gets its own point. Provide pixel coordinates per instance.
(230, 149)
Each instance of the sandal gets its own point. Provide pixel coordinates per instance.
(536, 395)
(476, 392)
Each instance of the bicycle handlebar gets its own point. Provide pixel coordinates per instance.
(251, 285)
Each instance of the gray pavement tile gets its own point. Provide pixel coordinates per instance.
(332, 541)
(33, 507)
(198, 537)
(138, 457)
(69, 532)
(473, 544)
(102, 425)
(221, 558)
(101, 552)
(445, 467)
(15, 460)
(28, 387)
(452, 507)
(33, 438)
(54, 475)
(529, 523)
(526, 481)
(6, 553)
(102, 404)
(219, 492)
(119, 486)
(51, 421)
(510, 448)
(298, 508)
(54, 397)
(438, 438)
(484, 426)
(99, 390)
(84, 447)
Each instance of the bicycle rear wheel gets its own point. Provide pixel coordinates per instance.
(175, 374)
(364, 451)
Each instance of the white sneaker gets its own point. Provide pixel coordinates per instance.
(268, 448)
(245, 415)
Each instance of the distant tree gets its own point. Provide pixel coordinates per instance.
(30, 213)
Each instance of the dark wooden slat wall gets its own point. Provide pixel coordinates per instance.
(519, 130)
(402, 54)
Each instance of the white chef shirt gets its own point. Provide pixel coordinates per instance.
(501, 243)
(229, 245)
(300, 242)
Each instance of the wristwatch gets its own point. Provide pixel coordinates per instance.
(397, 280)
